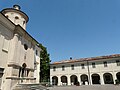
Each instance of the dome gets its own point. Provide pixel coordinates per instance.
(17, 16)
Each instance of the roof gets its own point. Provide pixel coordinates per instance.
(87, 59)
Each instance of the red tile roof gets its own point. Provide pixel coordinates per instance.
(88, 59)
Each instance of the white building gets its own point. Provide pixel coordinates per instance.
(87, 71)
(19, 51)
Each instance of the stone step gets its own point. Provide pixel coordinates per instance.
(29, 87)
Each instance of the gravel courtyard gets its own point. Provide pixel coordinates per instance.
(89, 87)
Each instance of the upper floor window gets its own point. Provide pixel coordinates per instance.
(54, 68)
(105, 64)
(25, 47)
(16, 17)
(63, 68)
(23, 22)
(72, 67)
(93, 65)
(118, 62)
(36, 52)
(83, 66)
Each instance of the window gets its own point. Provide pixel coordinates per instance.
(63, 68)
(93, 65)
(54, 68)
(25, 47)
(16, 17)
(72, 67)
(105, 64)
(83, 66)
(23, 22)
(36, 52)
(118, 62)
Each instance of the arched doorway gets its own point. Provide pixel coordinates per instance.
(64, 80)
(54, 80)
(84, 79)
(118, 76)
(1, 75)
(95, 79)
(108, 78)
(74, 79)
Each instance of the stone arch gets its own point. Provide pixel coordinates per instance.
(95, 78)
(74, 79)
(118, 76)
(84, 78)
(54, 80)
(64, 80)
(108, 78)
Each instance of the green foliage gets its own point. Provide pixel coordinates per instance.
(44, 65)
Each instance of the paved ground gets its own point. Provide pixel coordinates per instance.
(88, 87)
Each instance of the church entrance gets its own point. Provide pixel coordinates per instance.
(95, 79)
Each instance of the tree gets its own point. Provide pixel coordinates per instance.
(44, 65)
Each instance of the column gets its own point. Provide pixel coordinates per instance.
(102, 79)
(51, 80)
(68, 79)
(90, 79)
(114, 77)
(78, 77)
(59, 80)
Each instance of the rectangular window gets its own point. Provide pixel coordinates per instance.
(63, 68)
(105, 64)
(54, 68)
(93, 65)
(83, 66)
(72, 67)
(118, 62)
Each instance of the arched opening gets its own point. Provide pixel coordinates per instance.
(1, 75)
(22, 70)
(54, 80)
(118, 76)
(74, 80)
(64, 80)
(108, 78)
(95, 79)
(84, 79)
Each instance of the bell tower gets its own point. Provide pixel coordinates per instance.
(17, 16)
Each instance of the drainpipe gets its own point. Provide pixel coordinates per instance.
(88, 73)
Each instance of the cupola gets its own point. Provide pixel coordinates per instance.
(17, 16)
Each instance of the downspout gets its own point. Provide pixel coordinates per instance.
(88, 73)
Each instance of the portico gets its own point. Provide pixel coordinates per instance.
(77, 71)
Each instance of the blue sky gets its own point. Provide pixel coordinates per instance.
(73, 28)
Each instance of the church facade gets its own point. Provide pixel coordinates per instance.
(86, 71)
(19, 51)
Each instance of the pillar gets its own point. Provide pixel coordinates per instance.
(51, 80)
(68, 79)
(102, 79)
(114, 77)
(79, 79)
(59, 80)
